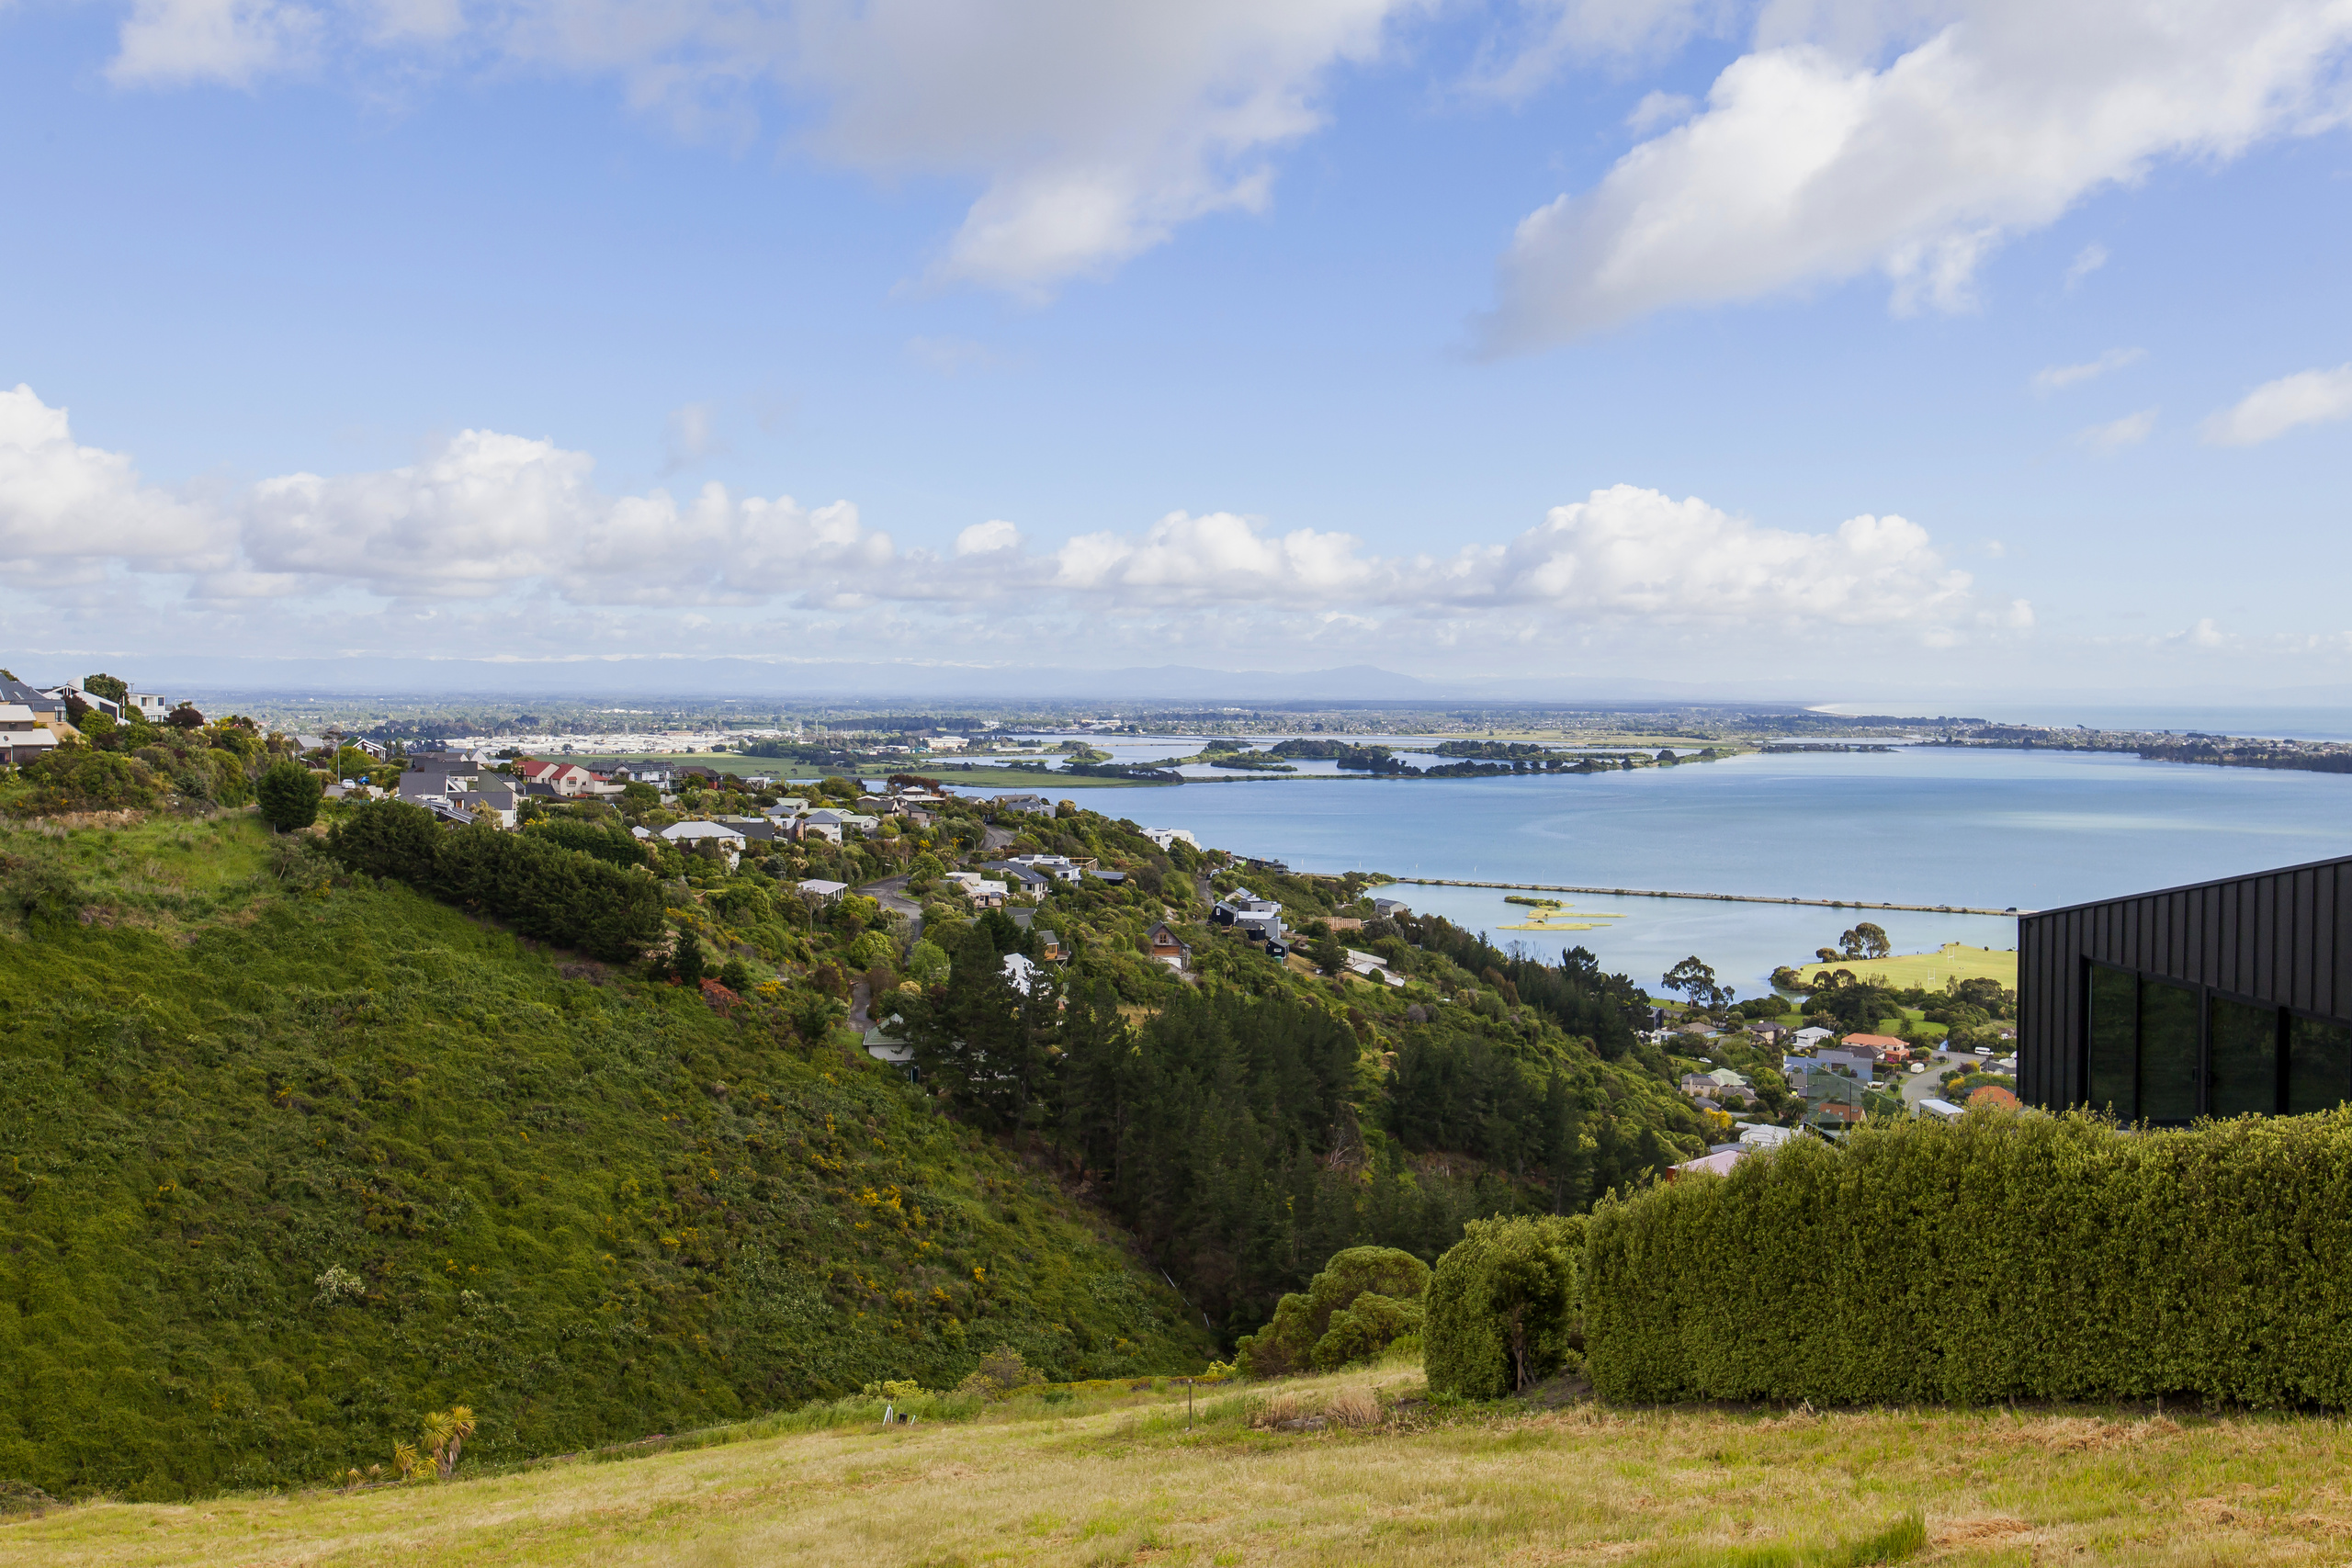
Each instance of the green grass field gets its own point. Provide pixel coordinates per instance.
(1953, 961)
(1345, 1469)
(1007, 779)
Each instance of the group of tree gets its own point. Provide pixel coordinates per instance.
(534, 880)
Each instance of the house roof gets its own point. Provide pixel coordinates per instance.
(1878, 1042)
(1994, 1094)
(686, 831)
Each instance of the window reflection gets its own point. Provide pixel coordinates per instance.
(2319, 1065)
(2242, 1060)
(2168, 1077)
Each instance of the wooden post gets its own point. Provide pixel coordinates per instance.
(1188, 1405)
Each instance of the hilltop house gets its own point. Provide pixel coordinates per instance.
(1163, 837)
(1032, 803)
(822, 891)
(564, 778)
(1168, 948)
(694, 835)
(23, 738)
(43, 708)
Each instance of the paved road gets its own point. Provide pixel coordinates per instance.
(890, 892)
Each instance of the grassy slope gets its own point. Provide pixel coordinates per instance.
(590, 1210)
(1647, 1489)
(1953, 961)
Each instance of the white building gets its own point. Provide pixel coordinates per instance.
(1163, 837)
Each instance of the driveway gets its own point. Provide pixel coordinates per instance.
(890, 892)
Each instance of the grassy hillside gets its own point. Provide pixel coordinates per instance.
(1953, 961)
(1096, 1480)
(286, 1163)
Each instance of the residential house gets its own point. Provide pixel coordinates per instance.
(22, 735)
(1061, 868)
(566, 778)
(1770, 1034)
(45, 710)
(822, 891)
(1717, 1163)
(1726, 1078)
(1812, 1034)
(149, 707)
(987, 895)
(1049, 944)
(1372, 966)
(1029, 879)
(804, 828)
(1170, 948)
(1389, 909)
(67, 694)
(1943, 1109)
(694, 835)
(1032, 803)
(1696, 1084)
(1994, 1095)
(1883, 1047)
(1764, 1135)
(436, 775)
(883, 1045)
(1163, 837)
(790, 806)
(1280, 868)
(843, 822)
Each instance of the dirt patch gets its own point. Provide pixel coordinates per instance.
(2067, 1434)
(1975, 1532)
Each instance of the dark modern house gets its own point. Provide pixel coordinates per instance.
(2215, 1000)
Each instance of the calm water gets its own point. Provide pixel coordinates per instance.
(1989, 829)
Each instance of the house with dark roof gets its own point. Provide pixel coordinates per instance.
(1170, 948)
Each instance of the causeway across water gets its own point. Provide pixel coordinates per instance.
(1719, 898)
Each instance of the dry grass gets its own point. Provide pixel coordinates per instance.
(1346, 1470)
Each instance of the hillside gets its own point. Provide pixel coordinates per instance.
(1079, 1478)
(285, 1162)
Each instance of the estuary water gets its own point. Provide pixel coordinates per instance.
(1916, 824)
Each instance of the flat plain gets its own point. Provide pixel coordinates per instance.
(1350, 1469)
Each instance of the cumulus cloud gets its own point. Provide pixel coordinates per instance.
(988, 538)
(489, 517)
(2055, 376)
(62, 502)
(2118, 434)
(231, 41)
(2271, 409)
(1818, 158)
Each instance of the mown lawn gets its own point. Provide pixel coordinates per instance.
(1578, 1485)
(1953, 961)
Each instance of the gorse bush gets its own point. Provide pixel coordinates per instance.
(2001, 1256)
(1504, 1306)
(1365, 1299)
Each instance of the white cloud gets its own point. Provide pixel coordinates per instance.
(1659, 108)
(2087, 260)
(2308, 396)
(1814, 162)
(986, 538)
(2118, 434)
(2055, 377)
(489, 517)
(231, 41)
(62, 502)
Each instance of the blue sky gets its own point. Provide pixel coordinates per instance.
(1933, 345)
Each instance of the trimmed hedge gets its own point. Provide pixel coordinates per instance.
(2000, 1257)
(1505, 1306)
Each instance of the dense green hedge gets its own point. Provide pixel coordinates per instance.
(1504, 1306)
(2000, 1257)
(535, 881)
(1365, 1300)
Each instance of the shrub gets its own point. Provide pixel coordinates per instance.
(1365, 1298)
(1001, 1373)
(290, 794)
(1504, 1306)
(74, 778)
(1999, 1256)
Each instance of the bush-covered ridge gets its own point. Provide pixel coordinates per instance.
(285, 1164)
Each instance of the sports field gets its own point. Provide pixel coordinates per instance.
(1953, 961)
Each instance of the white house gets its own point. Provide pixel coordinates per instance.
(1164, 837)
(822, 891)
(23, 737)
(693, 835)
(948, 742)
(1764, 1135)
(1806, 1039)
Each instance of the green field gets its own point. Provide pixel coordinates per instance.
(1350, 1469)
(1953, 961)
(1011, 779)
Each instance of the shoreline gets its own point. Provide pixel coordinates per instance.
(1718, 897)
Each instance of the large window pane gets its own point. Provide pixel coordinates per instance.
(2167, 1052)
(2115, 1026)
(2319, 1065)
(2242, 1060)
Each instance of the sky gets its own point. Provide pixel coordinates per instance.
(1832, 345)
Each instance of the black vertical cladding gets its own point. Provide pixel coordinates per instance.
(2274, 939)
